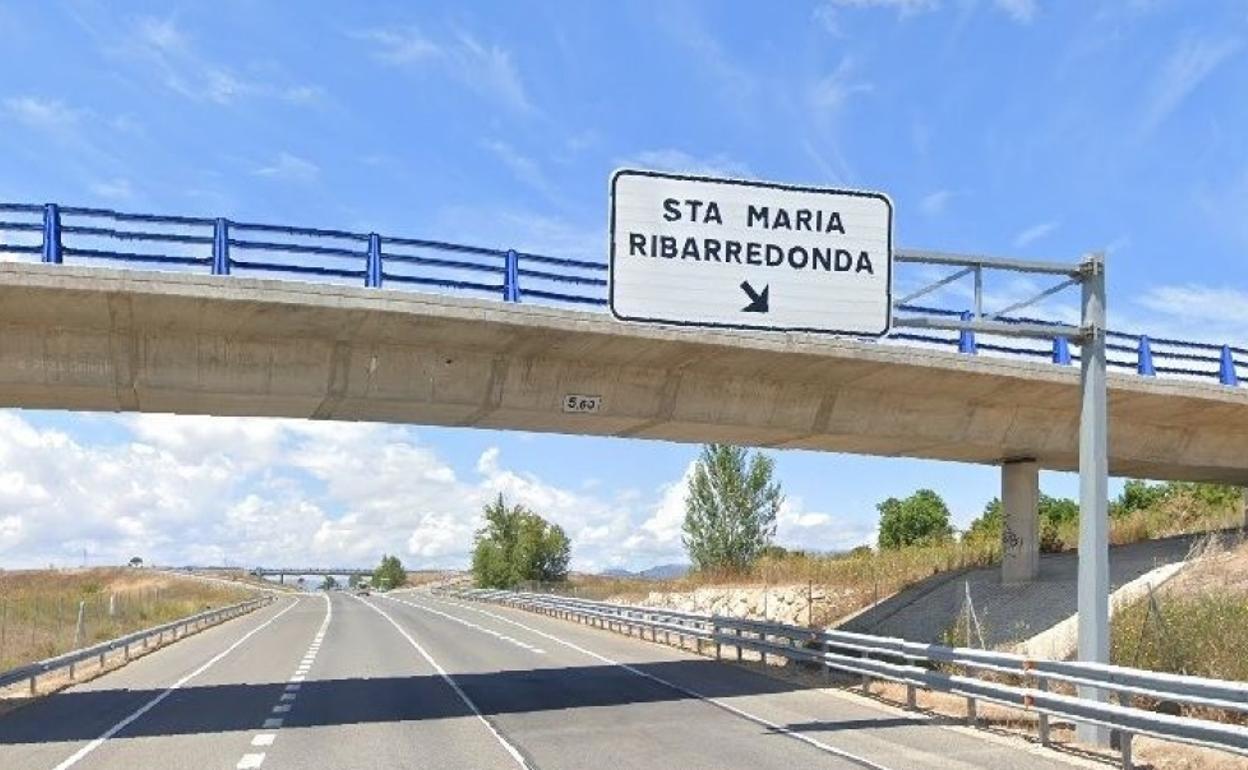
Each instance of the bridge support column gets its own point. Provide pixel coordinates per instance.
(282, 578)
(1020, 510)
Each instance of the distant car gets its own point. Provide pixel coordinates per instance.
(361, 591)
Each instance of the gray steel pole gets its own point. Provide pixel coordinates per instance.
(1093, 589)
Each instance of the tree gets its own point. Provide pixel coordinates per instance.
(329, 583)
(730, 508)
(919, 519)
(1053, 513)
(518, 545)
(389, 574)
(136, 561)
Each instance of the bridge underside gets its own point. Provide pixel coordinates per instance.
(98, 339)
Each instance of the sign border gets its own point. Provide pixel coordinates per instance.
(888, 315)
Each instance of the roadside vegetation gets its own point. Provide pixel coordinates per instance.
(730, 522)
(518, 547)
(1196, 624)
(39, 609)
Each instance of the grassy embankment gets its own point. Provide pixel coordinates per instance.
(848, 582)
(39, 608)
(1196, 624)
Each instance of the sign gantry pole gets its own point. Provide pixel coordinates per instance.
(1093, 588)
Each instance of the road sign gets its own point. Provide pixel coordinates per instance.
(696, 251)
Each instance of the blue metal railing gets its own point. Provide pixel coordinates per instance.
(57, 234)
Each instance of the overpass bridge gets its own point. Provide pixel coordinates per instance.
(216, 330)
(283, 572)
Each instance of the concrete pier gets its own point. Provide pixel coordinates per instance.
(1020, 535)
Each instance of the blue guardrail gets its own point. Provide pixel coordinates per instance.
(57, 234)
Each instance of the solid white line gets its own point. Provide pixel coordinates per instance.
(687, 691)
(473, 626)
(250, 761)
(151, 704)
(512, 750)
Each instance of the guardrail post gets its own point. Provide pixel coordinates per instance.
(1042, 684)
(372, 276)
(1226, 372)
(827, 670)
(52, 234)
(966, 337)
(715, 636)
(221, 247)
(511, 277)
(738, 644)
(1144, 358)
(912, 697)
(1124, 745)
(1061, 351)
(33, 686)
(971, 717)
(71, 670)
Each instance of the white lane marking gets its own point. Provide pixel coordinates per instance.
(687, 691)
(250, 761)
(474, 626)
(298, 678)
(287, 696)
(293, 687)
(281, 708)
(263, 739)
(78, 755)
(273, 724)
(512, 750)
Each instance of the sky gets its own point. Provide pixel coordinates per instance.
(1012, 127)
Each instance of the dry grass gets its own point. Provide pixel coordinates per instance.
(39, 608)
(1197, 624)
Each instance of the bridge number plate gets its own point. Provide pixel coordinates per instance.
(577, 404)
(696, 251)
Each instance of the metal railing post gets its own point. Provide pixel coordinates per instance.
(221, 247)
(1042, 684)
(1144, 358)
(1061, 351)
(52, 234)
(1226, 370)
(715, 636)
(971, 712)
(966, 337)
(372, 276)
(511, 277)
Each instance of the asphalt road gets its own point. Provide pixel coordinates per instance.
(416, 681)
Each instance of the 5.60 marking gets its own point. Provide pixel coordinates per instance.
(574, 403)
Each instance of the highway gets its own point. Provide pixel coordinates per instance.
(412, 680)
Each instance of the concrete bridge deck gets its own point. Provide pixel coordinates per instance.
(113, 340)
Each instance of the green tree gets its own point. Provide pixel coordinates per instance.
(517, 545)
(1053, 511)
(389, 574)
(1138, 495)
(920, 518)
(730, 508)
(353, 581)
(329, 583)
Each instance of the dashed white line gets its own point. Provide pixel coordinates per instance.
(78, 755)
(273, 723)
(685, 690)
(263, 739)
(507, 745)
(250, 761)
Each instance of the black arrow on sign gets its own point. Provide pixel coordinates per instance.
(758, 301)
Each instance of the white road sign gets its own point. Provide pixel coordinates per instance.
(694, 251)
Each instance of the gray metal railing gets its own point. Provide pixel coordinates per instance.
(69, 660)
(1002, 678)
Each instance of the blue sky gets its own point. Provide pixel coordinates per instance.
(1010, 127)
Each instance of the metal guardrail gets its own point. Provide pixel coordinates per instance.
(33, 671)
(56, 234)
(995, 677)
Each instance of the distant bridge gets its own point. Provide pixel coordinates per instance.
(282, 572)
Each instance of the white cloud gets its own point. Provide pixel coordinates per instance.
(679, 161)
(41, 113)
(486, 69)
(1034, 233)
(524, 168)
(933, 204)
(290, 168)
(1215, 314)
(1022, 11)
(116, 189)
(832, 92)
(1184, 70)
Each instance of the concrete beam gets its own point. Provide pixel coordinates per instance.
(112, 340)
(1020, 535)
